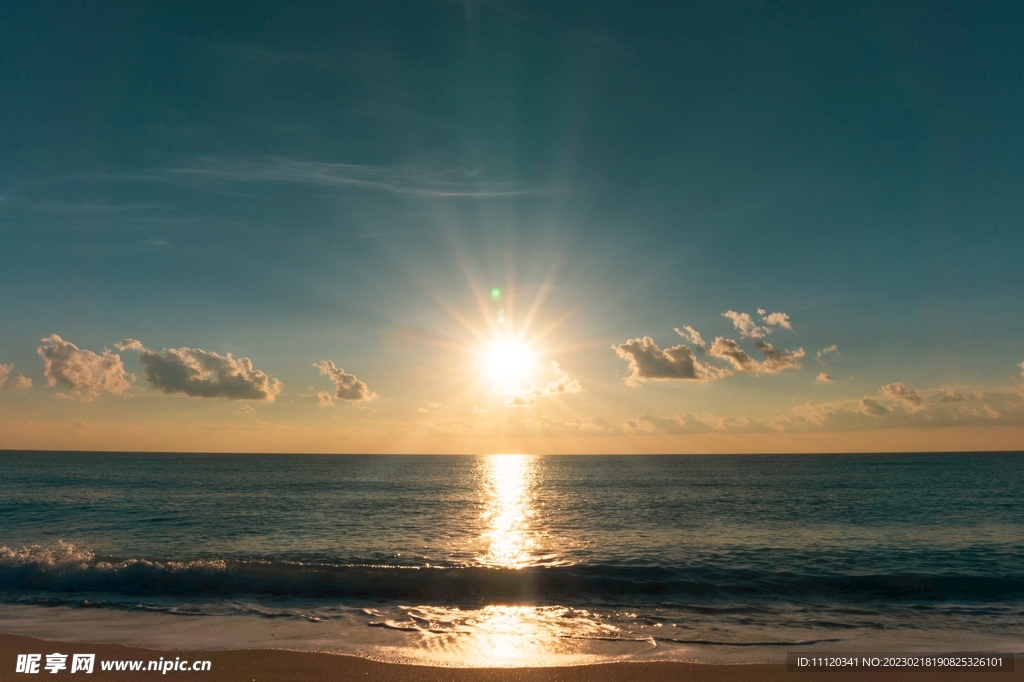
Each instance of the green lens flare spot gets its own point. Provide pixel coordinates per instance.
(495, 293)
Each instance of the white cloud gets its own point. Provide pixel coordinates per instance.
(349, 388)
(647, 361)
(748, 328)
(778, 319)
(824, 378)
(897, 391)
(203, 374)
(324, 399)
(479, 410)
(1021, 365)
(246, 409)
(560, 384)
(5, 371)
(693, 336)
(83, 370)
(825, 351)
(774, 360)
(22, 381)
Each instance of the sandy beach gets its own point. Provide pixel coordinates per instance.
(269, 665)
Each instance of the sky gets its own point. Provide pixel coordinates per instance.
(477, 227)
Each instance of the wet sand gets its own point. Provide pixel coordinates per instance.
(271, 665)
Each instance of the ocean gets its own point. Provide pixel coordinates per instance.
(517, 559)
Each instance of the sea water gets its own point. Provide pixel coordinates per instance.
(517, 559)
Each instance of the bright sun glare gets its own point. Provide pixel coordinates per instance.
(508, 363)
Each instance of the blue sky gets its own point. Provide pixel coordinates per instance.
(295, 183)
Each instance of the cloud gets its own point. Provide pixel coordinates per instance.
(83, 370)
(751, 330)
(246, 409)
(873, 407)
(213, 173)
(434, 405)
(748, 328)
(647, 361)
(324, 399)
(729, 350)
(675, 425)
(693, 336)
(825, 351)
(779, 319)
(742, 425)
(20, 381)
(1021, 365)
(824, 378)
(560, 384)
(203, 374)
(897, 391)
(979, 409)
(479, 410)
(774, 360)
(349, 388)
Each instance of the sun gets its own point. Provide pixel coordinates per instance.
(508, 363)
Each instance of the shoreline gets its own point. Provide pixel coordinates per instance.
(281, 665)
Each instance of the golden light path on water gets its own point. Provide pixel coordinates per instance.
(510, 482)
(511, 635)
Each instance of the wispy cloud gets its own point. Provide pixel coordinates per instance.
(561, 383)
(825, 351)
(217, 173)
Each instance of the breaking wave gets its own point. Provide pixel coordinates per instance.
(63, 567)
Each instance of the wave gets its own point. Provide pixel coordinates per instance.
(62, 567)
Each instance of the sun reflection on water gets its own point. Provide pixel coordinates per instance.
(509, 482)
(503, 635)
(499, 636)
